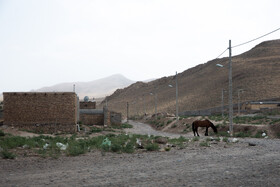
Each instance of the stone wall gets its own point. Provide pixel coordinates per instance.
(48, 112)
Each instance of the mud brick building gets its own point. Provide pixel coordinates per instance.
(87, 105)
(89, 115)
(47, 112)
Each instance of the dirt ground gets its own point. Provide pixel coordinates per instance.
(221, 164)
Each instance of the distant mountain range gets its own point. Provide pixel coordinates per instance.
(97, 88)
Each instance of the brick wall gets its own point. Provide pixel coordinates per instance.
(92, 119)
(87, 105)
(44, 112)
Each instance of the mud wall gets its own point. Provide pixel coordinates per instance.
(44, 112)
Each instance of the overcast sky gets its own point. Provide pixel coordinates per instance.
(45, 42)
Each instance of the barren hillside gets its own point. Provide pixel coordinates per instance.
(257, 71)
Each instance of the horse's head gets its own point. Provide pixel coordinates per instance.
(213, 127)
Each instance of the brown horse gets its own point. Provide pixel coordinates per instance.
(203, 123)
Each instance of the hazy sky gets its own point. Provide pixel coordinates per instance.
(44, 42)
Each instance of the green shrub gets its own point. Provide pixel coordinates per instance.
(181, 139)
(12, 142)
(7, 155)
(95, 129)
(76, 148)
(116, 148)
(152, 147)
(225, 139)
(258, 135)
(129, 148)
(167, 148)
(242, 134)
(126, 125)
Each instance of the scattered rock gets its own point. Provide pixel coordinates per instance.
(161, 140)
(252, 144)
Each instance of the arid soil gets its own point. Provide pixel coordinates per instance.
(221, 164)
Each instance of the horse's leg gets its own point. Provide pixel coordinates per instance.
(196, 131)
(206, 132)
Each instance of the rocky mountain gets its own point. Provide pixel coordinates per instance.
(256, 71)
(97, 88)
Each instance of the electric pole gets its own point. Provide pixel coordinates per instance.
(230, 93)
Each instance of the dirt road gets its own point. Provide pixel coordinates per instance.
(222, 164)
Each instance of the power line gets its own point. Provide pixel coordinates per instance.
(248, 41)
(255, 38)
(222, 53)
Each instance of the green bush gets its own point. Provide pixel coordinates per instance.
(128, 148)
(126, 125)
(12, 142)
(242, 134)
(152, 147)
(179, 140)
(76, 148)
(225, 139)
(7, 155)
(116, 148)
(95, 129)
